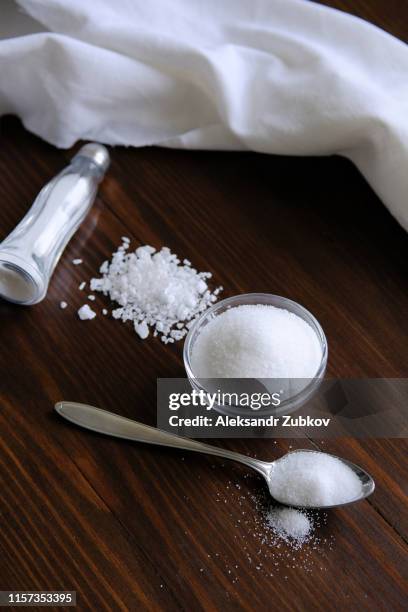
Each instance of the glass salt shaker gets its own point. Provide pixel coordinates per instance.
(29, 254)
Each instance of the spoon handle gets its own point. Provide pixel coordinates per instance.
(115, 425)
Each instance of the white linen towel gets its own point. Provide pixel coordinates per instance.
(277, 76)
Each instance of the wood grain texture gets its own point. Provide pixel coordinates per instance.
(135, 528)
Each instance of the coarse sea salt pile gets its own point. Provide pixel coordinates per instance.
(313, 479)
(154, 289)
(256, 341)
(289, 523)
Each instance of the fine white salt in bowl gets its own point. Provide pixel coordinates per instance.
(204, 352)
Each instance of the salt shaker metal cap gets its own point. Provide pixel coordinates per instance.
(29, 254)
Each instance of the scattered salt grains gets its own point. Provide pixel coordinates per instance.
(104, 311)
(86, 313)
(63, 305)
(154, 290)
(91, 297)
(82, 286)
(276, 551)
(77, 262)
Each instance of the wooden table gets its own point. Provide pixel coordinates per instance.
(131, 527)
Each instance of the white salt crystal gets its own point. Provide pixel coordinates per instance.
(86, 313)
(154, 289)
(142, 330)
(104, 267)
(201, 286)
(63, 305)
(91, 297)
(77, 262)
(257, 341)
(289, 523)
(104, 311)
(313, 479)
(82, 286)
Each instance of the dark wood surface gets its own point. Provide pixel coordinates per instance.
(132, 527)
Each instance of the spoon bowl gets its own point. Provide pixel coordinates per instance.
(367, 482)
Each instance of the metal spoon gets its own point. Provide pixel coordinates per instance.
(112, 424)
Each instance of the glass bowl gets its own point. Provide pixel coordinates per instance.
(287, 405)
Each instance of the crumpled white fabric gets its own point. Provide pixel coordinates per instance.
(277, 76)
